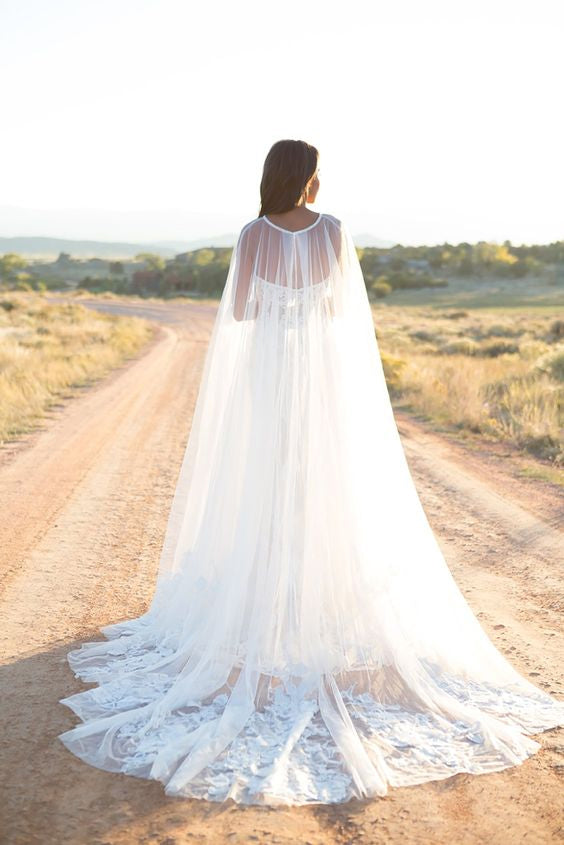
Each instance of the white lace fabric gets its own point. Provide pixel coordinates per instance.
(306, 642)
(291, 306)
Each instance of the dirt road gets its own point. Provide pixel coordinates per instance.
(83, 508)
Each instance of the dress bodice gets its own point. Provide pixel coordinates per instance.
(291, 305)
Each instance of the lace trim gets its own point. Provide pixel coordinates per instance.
(284, 751)
(293, 306)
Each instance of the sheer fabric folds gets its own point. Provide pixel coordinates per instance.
(306, 642)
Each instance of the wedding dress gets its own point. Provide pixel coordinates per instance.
(306, 641)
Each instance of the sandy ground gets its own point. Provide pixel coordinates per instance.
(83, 508)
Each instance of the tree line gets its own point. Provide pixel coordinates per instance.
(204, 271)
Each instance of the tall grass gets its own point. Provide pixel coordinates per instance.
(498, 375)
(47, 351)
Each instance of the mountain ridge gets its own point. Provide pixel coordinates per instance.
(39, 246)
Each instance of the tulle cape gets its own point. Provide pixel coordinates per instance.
(306, 641)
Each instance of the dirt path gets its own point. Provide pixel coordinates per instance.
(83, 507)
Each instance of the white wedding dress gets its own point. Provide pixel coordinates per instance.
(306, 642)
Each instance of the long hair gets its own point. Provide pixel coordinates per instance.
(287, 170)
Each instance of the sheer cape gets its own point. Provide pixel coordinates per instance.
(306, 642)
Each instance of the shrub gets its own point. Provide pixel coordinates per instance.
(461, 346)
(525, 408)
(557, 367)
(424, 335)
(553, 363)
(500, 330)
(557, 330)
(543, 446)
(456, 315)
(380, 289)
(88, 283)
(393, 368)
(500, 347)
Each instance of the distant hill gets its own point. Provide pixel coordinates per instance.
(40, 247)
(49, 248)
(226, 240)
(365, 239)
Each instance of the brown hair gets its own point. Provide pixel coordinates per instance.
(287, 170)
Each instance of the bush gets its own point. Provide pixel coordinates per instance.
(499, 330)
(543, 446)
(462, 346)
(424, 335)
(456, 315)
(400, 278)
(88, 283)
(553, 363)
(114, 284)
(557, 330)
(393, 368)
(532, 350)
(500, 347)
(557, 367)
(380, 289)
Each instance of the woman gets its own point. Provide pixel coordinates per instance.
(306, 642)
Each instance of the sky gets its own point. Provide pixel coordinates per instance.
(148, 120)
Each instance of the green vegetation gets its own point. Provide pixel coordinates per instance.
(406, 274)
(200, 272)
(483, 258)
(48, 351)
(404, 268)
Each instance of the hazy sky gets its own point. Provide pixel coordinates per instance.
(151, 119)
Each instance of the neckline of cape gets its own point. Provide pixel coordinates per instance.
(297, 231)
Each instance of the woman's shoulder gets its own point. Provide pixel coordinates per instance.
(249, 225)
(332, 219)
(253, 226)
(248, 232)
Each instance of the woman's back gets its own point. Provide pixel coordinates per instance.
(293, 259)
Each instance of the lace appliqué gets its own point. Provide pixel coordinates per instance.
(285, 753)
(292, 306)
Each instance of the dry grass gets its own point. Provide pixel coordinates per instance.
(81, 293)
(47, 351)
(497, 374)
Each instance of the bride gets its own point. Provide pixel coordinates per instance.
(306, 641)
